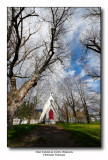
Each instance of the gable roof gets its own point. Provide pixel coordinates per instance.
(46, 106)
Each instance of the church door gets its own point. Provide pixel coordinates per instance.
(50, 114)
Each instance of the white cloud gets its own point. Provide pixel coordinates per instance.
(89, 80)
(80, 25)
(70, 73)
(83, 73)
(94, 84)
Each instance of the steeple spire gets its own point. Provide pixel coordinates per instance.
(51, 94)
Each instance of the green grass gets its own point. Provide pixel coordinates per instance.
(18, 131)
(85, 135)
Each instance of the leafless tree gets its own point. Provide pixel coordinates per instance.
(65, 111)
(44, 54)
(77, 95)
(94, 102)
(91, 40)
(70, 96)
(84, 92)
(92, 14)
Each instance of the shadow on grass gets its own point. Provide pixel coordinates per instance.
(85, 135)
(18, 131)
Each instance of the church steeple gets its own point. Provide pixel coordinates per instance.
(51, 94)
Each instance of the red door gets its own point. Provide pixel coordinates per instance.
(50, 114)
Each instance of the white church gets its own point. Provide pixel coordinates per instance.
(50, 113)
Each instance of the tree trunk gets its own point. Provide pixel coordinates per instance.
(67, 118)
(74, 114)
(88, 121)
(15, 98)
(10, 113)
(87, 114)
(29, 118)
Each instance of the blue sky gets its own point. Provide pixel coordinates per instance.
(77, 49)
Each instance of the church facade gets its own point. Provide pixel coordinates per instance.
(50, 114)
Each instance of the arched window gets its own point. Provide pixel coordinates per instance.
(50, 114)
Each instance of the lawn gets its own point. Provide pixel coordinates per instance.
(14, 134)
(85, 135)
(37, 135)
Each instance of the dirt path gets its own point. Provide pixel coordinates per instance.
(48, 136)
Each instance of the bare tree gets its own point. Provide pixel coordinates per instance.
(84, 93)
(93, 14)
(75, 94)
(65, 111)
(94, 102)
(50, 51)
(91, 40)
(70, 96)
